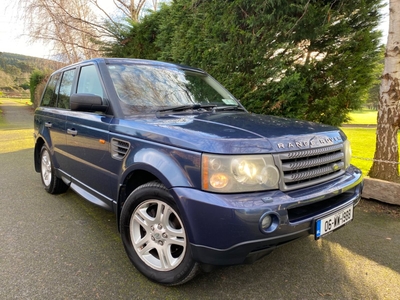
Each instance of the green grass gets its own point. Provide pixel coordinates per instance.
(363, 117)
(363, 141)
(18, 100)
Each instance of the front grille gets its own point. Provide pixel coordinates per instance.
(119, 148)
(308, 167)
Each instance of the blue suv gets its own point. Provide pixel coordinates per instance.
(194, 179)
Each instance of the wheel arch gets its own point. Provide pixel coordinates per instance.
(132, 179)
(144, 172)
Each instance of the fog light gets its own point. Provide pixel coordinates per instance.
(269, 222)
(266, 222)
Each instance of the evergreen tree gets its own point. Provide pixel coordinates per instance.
(308, 59)
(36, 78)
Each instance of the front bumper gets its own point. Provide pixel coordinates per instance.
(224, 229)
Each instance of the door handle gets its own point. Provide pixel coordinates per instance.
(72, 132)
(48, 124)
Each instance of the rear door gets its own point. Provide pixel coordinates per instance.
(50, 121)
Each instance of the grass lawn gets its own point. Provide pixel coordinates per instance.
(363, 142)
(363, 117)
(18, 100)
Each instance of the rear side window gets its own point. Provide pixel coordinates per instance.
(89, 81)
(49, 96)
(66, 89)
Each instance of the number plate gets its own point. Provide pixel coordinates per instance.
(332, 222)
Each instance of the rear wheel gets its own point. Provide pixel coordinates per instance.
(51, 182)
(154, 236)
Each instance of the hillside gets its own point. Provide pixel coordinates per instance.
(15, 70)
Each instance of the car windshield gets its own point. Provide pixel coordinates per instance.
(153, 88)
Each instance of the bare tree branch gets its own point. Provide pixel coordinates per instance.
(77, 28)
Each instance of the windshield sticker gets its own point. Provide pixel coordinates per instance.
(229, 101)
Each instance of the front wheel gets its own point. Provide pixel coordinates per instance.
(154, 236)
(51, 182)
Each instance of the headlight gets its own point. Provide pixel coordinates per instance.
(347, 153)
(239, 173)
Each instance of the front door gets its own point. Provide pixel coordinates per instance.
(88, 142)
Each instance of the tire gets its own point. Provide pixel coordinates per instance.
(51, 182)
(154, 236)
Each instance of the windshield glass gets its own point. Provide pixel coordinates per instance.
(151, 88)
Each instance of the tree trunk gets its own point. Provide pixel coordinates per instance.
(385, 165)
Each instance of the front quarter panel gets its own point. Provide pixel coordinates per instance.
(173, 167)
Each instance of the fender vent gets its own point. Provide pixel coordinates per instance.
(119, 148)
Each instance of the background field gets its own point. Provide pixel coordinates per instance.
(362, 139)
(363, 146)
(363, 117)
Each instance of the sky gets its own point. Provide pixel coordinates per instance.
(13, 39)
(13, 36)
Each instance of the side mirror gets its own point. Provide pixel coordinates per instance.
(87, 102)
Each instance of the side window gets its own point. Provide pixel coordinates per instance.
(89, 81)
(50, 96)
(65, 89)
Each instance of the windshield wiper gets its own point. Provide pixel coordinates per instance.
(187, 107)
